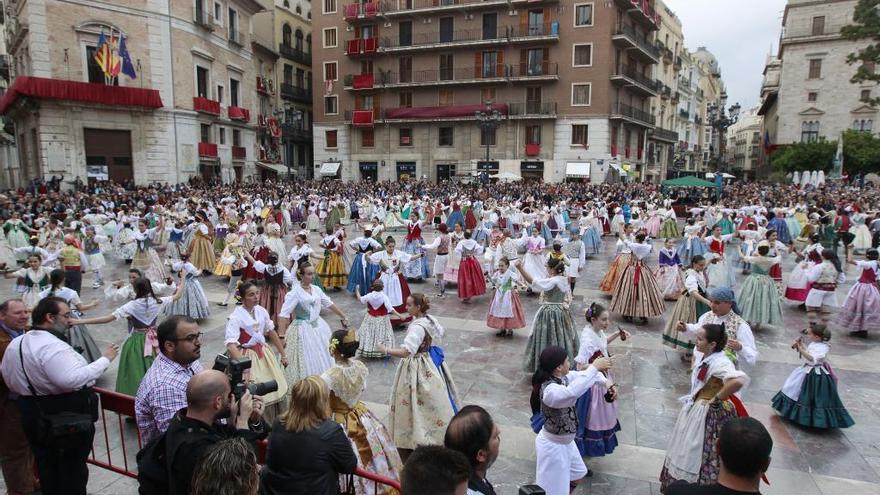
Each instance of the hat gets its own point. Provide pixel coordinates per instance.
(722, 294)
(551, 358)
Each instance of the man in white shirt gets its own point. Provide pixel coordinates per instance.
(740, 339)
(50, 377)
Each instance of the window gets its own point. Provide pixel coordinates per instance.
(329, 6)
(580, 134)
(219, 94)
(405, 99)
(487, 94)
(487, 136)
(236, 137)
(815, 68)
(233, 25)
(330, 38)
(234, 86)
(536, 22)
(447, 28)
(580, 94)
(205, 133)
(866, 95)
(810, 132)
(582, 55)
(218, 13)
(406, 134)
(446, 67)
(330, 139)
(812, 96)
(535, 57)
(404, 33)
(533, 100)
(404, 65)
(96, 75)
(286, 35)
(533, 134)
(490, 26)
(490, 64)
(583, 15)
(330, 105)
(368, 138)
(818, 25)
(445, 98)
(863, 125)
(330, 71)
(445, 136)
(222, 135)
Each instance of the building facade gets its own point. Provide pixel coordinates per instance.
(744, 145)
(663, 139)
(188, 112)
(9, 173)
(401, 82)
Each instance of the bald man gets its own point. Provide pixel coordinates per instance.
(195, 429)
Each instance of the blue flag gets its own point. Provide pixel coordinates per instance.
(127, 66)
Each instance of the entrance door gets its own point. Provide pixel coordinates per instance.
(111, 150)
(445, 171)
(406, 170)
(369, 171)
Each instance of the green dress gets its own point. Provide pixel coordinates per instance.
(553, 324)
(759, 299)
(142, 315)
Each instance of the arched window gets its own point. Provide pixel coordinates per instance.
(309, 42)
(287, 3)
(286, 35)
(299, 39)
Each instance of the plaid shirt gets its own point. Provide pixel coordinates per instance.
(161, 394)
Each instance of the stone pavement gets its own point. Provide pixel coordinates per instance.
(488, 372)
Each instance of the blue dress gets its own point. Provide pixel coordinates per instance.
(592, 241)
(781, 229)
(358, 276)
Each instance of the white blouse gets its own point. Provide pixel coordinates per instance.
(416, 331)
(257, 326)
(313, 302)
(146, 310)
(376, 300)
(591, 341)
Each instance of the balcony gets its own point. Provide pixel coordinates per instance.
(664, 135)
(532, 110)
(204, 105)
(686, 115)
(207, 150)
(472, 38)
(634, 81)
(203, 19)
(296, 93)
(677, 63)
(295, 54)
(236, 38)
(361, 47)
(533, 149)
(449, 113)
(265, 86)
(239, 114)
(296, 133)
(641, 11)
(626, 36)
(622, 111)
(408, 8)
(361, 11)
(361, 81)
(533, 71)
(363, 118)
(239, 152)
(439, 77)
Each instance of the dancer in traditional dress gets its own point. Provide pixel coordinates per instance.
(358, 278)
(720, 270)
(423, 393)
(221, 230)
(124, 241)
(825, 278)
(347, 381)
(141, 346)
(274, 286)
(692, 455)
(555, 391)
(201, 249)
(95, 259)
(80, 338)
(274, 241)
(122, 291)
(249, 330)
(442, 244)
(691, 305)
(194, 302)
(451, 273)
(669, 277)
(669, 229)
(740, 343)
(574, 250)
(301, 325)
(809, 396)
(798, 286)
(505, 310)
(394, 285)
(418, 269)
(637, 294)
(456, 217)
(534, 260)
(691, 245)
(553, 324)
(145, 257)
(861, 309)
(376, 327)
(73, 261)
(471, 281)
(591, 234)
(331, 269)
(259, 251)
(618, 264)
(597, 408)
(231, 263)
(17, 233)
(758, 296)
(861, 233)
(34, 279)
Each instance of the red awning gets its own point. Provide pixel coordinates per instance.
(61, 89)
(440, 112)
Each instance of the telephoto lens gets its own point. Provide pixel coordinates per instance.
(531, 490)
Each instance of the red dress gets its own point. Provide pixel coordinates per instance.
(471, 281)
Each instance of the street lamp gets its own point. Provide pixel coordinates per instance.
(489, 120)
(288, 119)
(721, 121)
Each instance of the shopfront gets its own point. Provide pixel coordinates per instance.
(369, 171)
(445, 171)
(532, 170)
(406, 170)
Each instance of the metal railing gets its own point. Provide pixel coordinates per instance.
(502, 34)
(296, 92)
(536, 69)
(547, 108)
(633, 113)
(637, 39)
(295, 54)
(631, 72)
(296, 132)
(665, 135)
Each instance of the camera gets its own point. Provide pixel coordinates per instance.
(234, 369)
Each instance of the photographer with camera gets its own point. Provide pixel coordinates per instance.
(209, 398)
(58, 406)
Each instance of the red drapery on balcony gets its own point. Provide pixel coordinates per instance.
(354, 46)
(205, 105)
(613, 150)
(238, 113)
(451, 111)
(239, 152)
(362, 118)
(362, 81)
(533, 149)
(208, 150)
(62, 89)
(370, 45)
(351, 10)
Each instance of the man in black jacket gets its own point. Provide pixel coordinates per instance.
(194, 430)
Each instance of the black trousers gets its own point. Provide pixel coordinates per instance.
(73, 279)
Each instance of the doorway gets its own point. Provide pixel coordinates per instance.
(110, 150)
(445, 171)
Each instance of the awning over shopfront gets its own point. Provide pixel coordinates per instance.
(577, 170)
(616, 166)
(83, 92)
(330, 168)
(279, 168)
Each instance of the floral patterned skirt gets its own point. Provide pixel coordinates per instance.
(420, 402)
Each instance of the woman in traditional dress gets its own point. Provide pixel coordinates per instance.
(331, 269)
(303, 252)
(692, 455)
(34, 278)
(124, 241)
(471, 281)
(456, 217)
(617, 222)
(274, 241)
(669, 229)
(669, 277)
(652, 224)
(451, 273)
(776, 223)
(92, 250)
(861, 309)
(140, 348)
(249, 330)
(7, 255)
(358, 278)
(313, 221)
(798, 286)
(347, 380)
(80, 338)
(145, 257)
(861, 233)
(505, 310)
(423, 394)
(618, 264)
(259, 251)
(553, 324)
(201, 249)
(307, 333)
(17, 233)
(824, 277)
(691, 305)
(720, 270)
(274, 286)
(591, 234)
(418, 269)
(534, 261)
(637, 294)
(231, 263)
(394, 285)
(221, 230)
(691, 245)
(442, 244)
(809, 396)
(376, 326)
(758, 297)
(194, 302)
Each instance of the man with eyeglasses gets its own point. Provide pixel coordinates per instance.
(163, 390)
(54, 384)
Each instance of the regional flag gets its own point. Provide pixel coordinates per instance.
(115, 61)
(103, 54)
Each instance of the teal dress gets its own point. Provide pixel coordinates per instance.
(553, 324)
(759, 299)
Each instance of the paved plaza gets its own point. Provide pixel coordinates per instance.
(488, 372)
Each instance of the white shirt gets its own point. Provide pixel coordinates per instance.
(747, 356)
(53, 366)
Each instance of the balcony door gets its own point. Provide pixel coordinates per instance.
(536, 22)
(490, 26)
(202, 77)
(447, 29)
(535, 61)
(533, 99)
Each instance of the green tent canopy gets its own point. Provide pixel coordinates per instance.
(687, 182)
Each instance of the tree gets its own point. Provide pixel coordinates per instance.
(861, 153)
(805, 156)
(866, 26)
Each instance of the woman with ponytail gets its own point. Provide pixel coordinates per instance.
(553, 324)
(80, 338)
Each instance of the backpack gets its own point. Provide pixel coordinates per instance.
(152, 462)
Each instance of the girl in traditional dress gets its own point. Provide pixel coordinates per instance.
(637, 294)
(861, 233)
(231, 264)
(553, 324)
(175, 248)
(201, 249)
(307, 333)
(652, 224)
(471, 281)
(140, 348)
(274, 241)
(691, 245)
(758, 296)
(92, 250)
(347, 380)
(443, 244)
(303, 252)
(861, 309)
(809, 396)
(669, 229)
(7, 255)
(313, 221)
(259, 251)
(376, 327)
(249, 330)
(720, 270)
(274, 287)
(418, 269)
(331, 269)
(423, 394)
(825, 277)
(669, 277)
(80, 338)
(221, 230)
(145, 257)
(617, 222)
(505, 310)
(534, 261)
(124, 241)
(555, 391)
(34, 278)
(591, 235)
(451, 273)
(394, 285)
(618, 264)
(691, 305)
(456, 217)
(17, 233)
(798, 286)
(597, 408)
(194, 302)
(692, 455)
(358, 278)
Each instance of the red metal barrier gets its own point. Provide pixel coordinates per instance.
(123, 406)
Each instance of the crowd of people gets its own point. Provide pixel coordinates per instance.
(681, 248)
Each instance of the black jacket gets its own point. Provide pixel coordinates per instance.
(307, 462)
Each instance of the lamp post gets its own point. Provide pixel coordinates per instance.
(288, 120)
(489, 119)
(721, 121)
